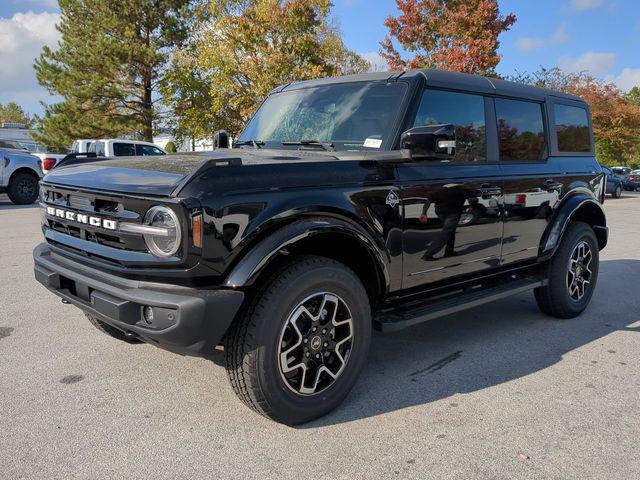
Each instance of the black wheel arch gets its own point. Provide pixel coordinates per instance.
(341, 240)
(578, 207)
(27, 170)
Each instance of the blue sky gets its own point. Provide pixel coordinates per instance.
(599, 36)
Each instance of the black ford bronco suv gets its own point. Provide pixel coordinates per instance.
(372, 201)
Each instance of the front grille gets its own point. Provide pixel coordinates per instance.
(103, 206)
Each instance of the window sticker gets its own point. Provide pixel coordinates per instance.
(372, 142)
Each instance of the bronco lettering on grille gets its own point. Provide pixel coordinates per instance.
(82, 218)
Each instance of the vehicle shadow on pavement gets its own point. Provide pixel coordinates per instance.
(483, 347)
(6, 204)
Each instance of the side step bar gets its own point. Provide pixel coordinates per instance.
(403, 317)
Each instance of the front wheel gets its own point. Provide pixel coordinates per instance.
(23, 188)
(300, 346)
(571, 274)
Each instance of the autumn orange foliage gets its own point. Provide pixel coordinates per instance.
(457, 35)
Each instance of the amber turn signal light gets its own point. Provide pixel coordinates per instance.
(196, 227)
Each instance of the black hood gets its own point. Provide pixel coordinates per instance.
(165, 174)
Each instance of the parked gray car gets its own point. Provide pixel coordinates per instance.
(20, 173)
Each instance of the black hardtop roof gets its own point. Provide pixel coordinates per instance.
(442, 79)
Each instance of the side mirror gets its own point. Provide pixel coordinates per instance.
(221, 139)
(430, 141)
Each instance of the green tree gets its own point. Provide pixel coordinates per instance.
(12, 112)
(633, 96)
(108, 67)
(242, 50)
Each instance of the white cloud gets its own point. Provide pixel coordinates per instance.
(21, 40)
(560, 35)
(582, 5)
(378, 64)
(530, 44)
(592, 62)
(628, 78)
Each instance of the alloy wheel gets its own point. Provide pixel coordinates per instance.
(26, 188)
(579, 273)
(315, 343)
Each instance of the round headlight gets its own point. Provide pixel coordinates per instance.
(164, 238)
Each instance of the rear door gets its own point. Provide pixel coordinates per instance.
(532, 182)
(451, 207)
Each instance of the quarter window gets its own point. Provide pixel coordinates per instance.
(465, 112)
(572, 128)
(520, 130)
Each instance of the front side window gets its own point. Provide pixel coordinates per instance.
(572, 128)
(124, 150)
(465, 112)
(351, 116)
(520, 130)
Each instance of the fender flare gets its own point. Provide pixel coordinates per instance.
(247, 270)
(561, 220)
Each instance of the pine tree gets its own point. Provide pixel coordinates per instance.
(244, 49)
(108, 67)
(12, 112)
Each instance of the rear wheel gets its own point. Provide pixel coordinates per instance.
(23, 188)
(572, 274)
(109, 330)
(299, 348)
(617, 193)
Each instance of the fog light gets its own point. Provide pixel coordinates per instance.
(147, 313)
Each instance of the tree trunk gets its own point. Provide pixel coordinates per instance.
(147, 110)
(147, 100)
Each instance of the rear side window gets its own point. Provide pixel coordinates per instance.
(124, 150)
(520, 130)
(572, 128)
(465, 112)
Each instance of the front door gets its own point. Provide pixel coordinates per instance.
(451, 207)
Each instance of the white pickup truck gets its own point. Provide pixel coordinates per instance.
(115, 147)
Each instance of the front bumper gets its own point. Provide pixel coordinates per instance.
(185, 320)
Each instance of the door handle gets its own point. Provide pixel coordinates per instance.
(490, 191)
(551, 186)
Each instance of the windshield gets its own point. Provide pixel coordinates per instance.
(351, 116)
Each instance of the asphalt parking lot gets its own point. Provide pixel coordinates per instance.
(497, 392)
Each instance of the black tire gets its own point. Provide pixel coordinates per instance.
(109, 330)
(23, 188)
(255, 341)
(617, 193)
(558, 299)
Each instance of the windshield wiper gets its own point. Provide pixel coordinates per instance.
(253, 143)
(313, 143)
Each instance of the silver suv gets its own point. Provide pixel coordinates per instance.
(20, 173)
